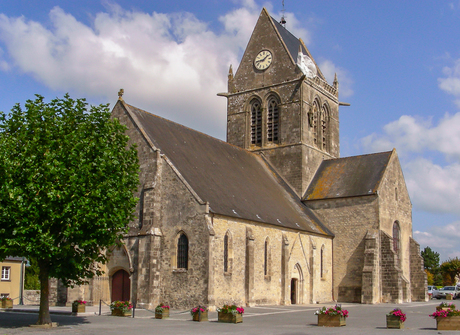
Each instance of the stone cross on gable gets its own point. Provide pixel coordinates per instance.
(120, 94)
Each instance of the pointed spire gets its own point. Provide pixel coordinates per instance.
(230, 85)
(336, 82)
(230, 73)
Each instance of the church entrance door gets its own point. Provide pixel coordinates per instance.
(121, 285)
(293, 291)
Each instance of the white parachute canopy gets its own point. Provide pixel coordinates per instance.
(306, 65)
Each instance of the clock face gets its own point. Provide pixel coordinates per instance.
(263, 60)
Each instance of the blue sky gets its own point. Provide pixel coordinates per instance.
(398, 65)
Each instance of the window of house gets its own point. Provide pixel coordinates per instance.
(266, 258)
(322, 262)
(226, 253)
(272, 120)
(6, 272)
(256, 122)
(182, 252)
(396, 236)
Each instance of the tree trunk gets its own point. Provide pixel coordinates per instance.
(44, 311)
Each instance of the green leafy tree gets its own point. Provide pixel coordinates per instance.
(431, 260)
(67, 178)
(31, 278)
(451, 270)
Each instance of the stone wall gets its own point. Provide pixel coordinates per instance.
(370, 291)
(291, 255)
(350, 219)
(418, 279)
(391, 281)
(395, 206)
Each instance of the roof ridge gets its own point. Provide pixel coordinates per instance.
(356, 156)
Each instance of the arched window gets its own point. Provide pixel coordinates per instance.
(182, 252)
(272, 120)
(266, 257)
(314, 123)
(322, 262)
(226, 253)
(396, 237)
(256, 122)
(324, 130)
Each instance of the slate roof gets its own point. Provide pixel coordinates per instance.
(348, 177)
(292, 43)
(11, 258)
(235, 182)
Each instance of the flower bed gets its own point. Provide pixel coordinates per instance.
(230, 314)
(121, 308)
(162, 311)
(79, 306)
(7, 302)
(447, 319)
(332, 316)
(199, 313)
(396, 318)
(445, 306)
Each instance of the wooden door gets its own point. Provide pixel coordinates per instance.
(121, 286)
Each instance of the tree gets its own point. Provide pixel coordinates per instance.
(451, 270)
(67, 179)
(31, 278)
(431, 260)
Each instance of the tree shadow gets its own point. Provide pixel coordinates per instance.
(20, 320)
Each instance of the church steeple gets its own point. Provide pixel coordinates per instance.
(280, 105)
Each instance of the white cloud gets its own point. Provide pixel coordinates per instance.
(413, 134)
(442, 239)
(170, 64)
(451, 82)
(329, 70)
(432, 187)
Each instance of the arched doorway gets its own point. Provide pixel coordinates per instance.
(121, 286)
(294, 291)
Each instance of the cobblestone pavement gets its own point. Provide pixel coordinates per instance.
(267, 320)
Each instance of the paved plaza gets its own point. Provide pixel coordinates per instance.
(267, 320)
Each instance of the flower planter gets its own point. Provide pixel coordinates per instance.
(203, 316)
(325, 320)
(230, 318)
(7, 303)
(119, 312)
(439, 308)
(448, 297)
(163, 315)
(394, 322)
(448, 323)
(80, 308)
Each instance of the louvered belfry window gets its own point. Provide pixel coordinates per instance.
(226, 253)
(256, 122)
(182, 252)
(272, 120)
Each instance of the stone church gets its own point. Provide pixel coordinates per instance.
(273, 215)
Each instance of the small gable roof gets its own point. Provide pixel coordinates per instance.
(234, 182)
(348, 177)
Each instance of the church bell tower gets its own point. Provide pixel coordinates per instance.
(281, 106)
